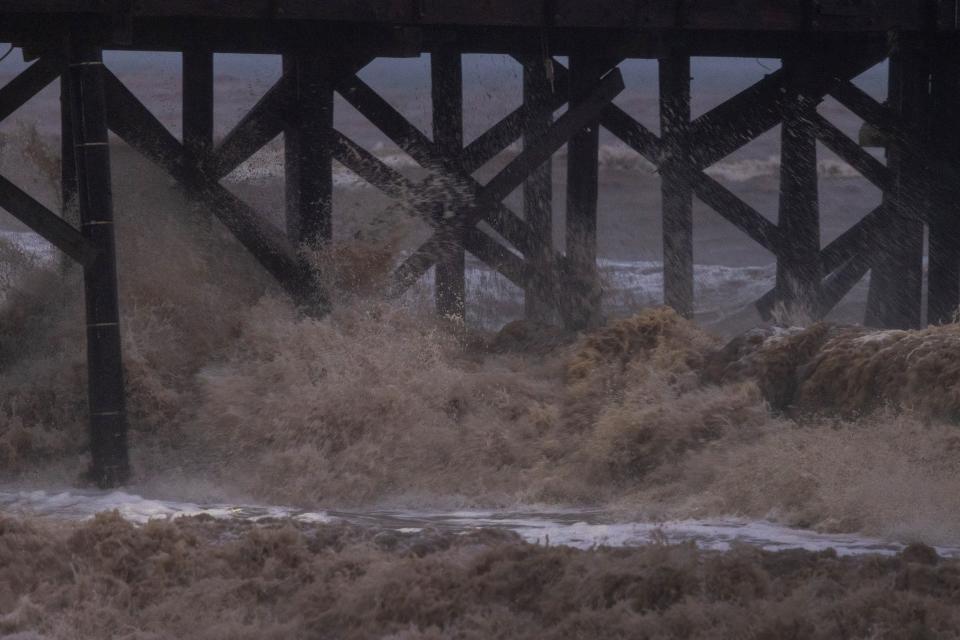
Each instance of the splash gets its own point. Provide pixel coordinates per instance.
(234, 395)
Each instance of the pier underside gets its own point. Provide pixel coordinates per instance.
(570, 51)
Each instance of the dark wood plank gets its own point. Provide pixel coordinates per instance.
(309, 149)
(446, 73)
(29, 83)
(198, 102)
(798, 262)
(539, 102)
(896, 282)
(110, 461)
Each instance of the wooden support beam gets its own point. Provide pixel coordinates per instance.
(29, 83)
(446, 72)
(308, 149)
(514, 174)
(583, 279)
(139, 128)
(539, 102)
(894, 299)
(943, 271)
(798, 263)
(676, 192)
(197, 103)
(110, 465)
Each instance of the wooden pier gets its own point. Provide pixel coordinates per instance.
(823, 44)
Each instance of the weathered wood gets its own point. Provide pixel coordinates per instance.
(46, 224)
(896, 281)
(446, 72)
(308, 149)
(29, 83)
(514, 174)
(798, 262)
(539, 103)
(676, 192)
(110, 463)
(139, 128)
(197, 103)
(583, 284)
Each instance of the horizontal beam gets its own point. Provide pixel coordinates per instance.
(45, 223)
(260, 125)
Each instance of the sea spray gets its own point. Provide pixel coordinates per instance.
(237, 395)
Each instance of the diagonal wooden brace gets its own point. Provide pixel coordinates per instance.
(710, 191)
(423, 150)
(511, 177)
(29, 83)
(868, 166)
(46, 223)
(415, 198)
(260, 125)
(133, 122)
(852, 247)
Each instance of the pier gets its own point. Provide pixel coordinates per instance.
(570, 51)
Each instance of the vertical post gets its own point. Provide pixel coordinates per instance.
(197, 102)
(943, 275)
(538, 189)
(798, 264)
(446, 72)
(582, 191)
(677, 194)
(896, 282)
(309, 150)
(108, 424)
(68, 160)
